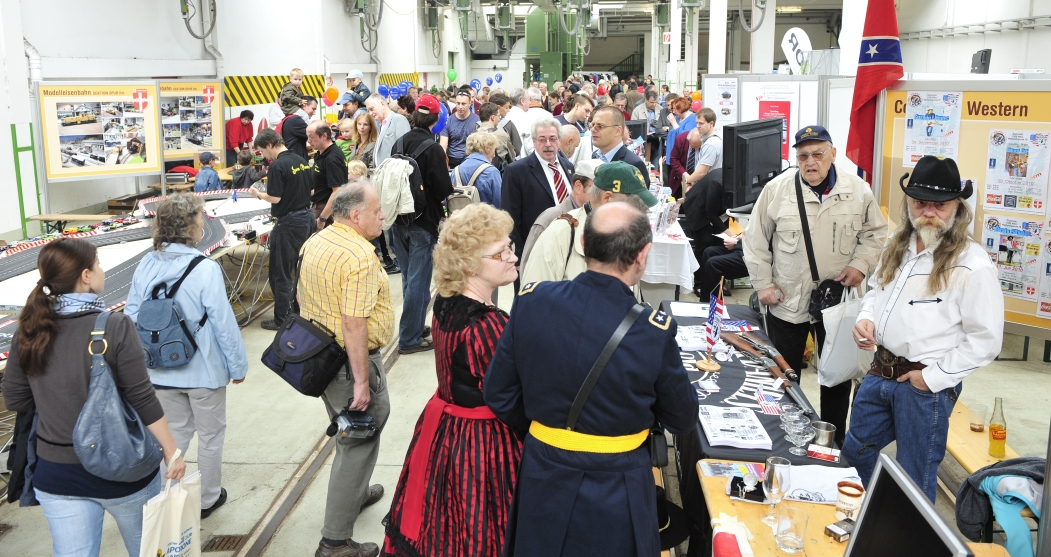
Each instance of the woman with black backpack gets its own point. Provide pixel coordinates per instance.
(50, 366)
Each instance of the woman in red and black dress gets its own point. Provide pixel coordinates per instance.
(455, 489)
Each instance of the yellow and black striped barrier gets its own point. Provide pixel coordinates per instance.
(246, 90)
(396, 78)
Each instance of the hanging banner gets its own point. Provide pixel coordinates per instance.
(191, 118)
(932, 126)
(1014, 245)
(1016, 173)
(99, 129)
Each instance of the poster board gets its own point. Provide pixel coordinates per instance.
(996, 118)
(191, 118)
(98, 129)
(721, 94)
(797, 99)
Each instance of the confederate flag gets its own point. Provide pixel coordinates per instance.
(878, 67)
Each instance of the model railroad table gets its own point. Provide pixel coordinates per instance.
(737, 387)
(58, 222)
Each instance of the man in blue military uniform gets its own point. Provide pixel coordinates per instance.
(587, 489)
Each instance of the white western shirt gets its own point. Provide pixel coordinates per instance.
(953, 332)
(551, 176)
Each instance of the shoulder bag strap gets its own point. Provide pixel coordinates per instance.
(478, 171)
(600, 364)
(459, 179)
(98, 334)
(295, 285)
(806, 231)
(572, 237)
(175, 287)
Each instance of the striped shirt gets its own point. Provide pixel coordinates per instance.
(341, 275)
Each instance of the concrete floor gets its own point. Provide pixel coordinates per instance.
(272, 430)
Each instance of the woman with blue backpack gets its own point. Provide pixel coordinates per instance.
(71, 359)
(191, 342)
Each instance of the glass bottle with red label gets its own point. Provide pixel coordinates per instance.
(998, 431)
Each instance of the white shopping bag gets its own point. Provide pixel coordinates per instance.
(841, 360)
(171, 521)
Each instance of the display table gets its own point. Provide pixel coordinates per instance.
(737, 384)
(817, 544)
(56, 223)
(669, 267)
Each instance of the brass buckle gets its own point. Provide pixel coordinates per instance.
(887, 361)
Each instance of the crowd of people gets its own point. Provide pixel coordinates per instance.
(562, 213)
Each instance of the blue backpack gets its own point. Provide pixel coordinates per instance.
(166, 339)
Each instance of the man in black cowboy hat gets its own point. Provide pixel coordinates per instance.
(934, 314)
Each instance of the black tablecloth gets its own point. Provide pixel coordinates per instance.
(737, 388)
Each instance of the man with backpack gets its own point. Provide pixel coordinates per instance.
(415, 234)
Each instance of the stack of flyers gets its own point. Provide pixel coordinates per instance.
(736, 327)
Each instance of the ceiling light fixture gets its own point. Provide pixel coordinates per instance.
(789, 9)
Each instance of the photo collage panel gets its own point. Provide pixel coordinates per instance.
(101, 134)
(187, 123)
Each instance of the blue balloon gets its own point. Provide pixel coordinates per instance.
(489, 81)
(383, 89)
(476, 84)
(403, 89)
(499, 78)
(394, 93)
(443, 118)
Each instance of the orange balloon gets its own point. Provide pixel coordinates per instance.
(331, 96)
(696, 95)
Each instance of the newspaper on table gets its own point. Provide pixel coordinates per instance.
(733, 427)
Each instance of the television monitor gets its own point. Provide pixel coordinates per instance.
(897, 519)
(751, 158)
(637, 128)
(980, 61)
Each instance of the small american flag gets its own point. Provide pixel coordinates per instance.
(736, 327)
(766, 402)
(715, 321)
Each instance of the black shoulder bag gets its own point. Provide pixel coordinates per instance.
(828, 292)
(658, 444)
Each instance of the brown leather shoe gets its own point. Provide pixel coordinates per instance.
(352, 549)
(375, 494)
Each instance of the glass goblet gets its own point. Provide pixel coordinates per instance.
(800, 437)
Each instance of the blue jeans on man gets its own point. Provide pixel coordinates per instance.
(414, 247)
(884, 411)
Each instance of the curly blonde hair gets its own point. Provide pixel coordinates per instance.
(177, 220)
(461, 241)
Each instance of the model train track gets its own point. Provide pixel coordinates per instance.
(118, 279)
(149, 206)
(25, 261)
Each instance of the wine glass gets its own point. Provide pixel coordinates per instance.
(775, 485)
(800, 437)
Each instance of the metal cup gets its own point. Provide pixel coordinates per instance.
(826, 434)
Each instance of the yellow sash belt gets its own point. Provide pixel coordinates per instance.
(582, 442)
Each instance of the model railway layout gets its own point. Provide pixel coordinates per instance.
(118, 279)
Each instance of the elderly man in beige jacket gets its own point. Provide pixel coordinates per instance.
(848, 232)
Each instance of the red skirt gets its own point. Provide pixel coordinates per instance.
(455, 488)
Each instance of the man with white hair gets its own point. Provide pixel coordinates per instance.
(391, 126)
(537, 182)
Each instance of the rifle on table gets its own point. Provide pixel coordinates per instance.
(773, 354)
(775, 370)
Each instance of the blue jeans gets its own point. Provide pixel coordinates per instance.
(76, 522)
(414, 248)
(884, 411)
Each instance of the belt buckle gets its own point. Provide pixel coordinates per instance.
(887, 360)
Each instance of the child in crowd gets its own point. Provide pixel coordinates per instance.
(244, 173)
(356, 169)
(291, 96)
(345, 139)
(207, 177)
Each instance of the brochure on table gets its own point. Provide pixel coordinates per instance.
(93, 130)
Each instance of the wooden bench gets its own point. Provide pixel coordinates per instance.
(58, 222)
(971, 450)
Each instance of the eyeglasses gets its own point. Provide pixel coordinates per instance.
(504, 255)
(600, 127)
(818, 156)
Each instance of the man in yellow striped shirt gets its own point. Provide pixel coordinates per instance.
(343, 286)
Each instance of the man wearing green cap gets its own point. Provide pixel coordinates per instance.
(558, 253)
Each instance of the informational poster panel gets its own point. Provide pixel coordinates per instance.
(191, 118)
(99, 129)
(1004, 127)
(773, 99)
(720, 95)
(932, 125)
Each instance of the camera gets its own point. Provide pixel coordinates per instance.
(352, 423)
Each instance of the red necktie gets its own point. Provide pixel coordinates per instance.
(560, 184)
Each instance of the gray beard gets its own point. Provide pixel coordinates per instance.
(929, 235)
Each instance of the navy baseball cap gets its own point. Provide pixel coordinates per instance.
(812, 133)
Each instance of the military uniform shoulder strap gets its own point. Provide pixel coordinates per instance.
(527, 288)
(660, 319)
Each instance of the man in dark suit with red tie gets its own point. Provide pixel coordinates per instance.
(537, 182)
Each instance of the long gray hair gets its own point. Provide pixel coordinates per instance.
(953, 241)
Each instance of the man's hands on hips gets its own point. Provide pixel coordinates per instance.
(771, 296)
(916, 378)
(362, 396)
(863, 334)
(850, 276)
